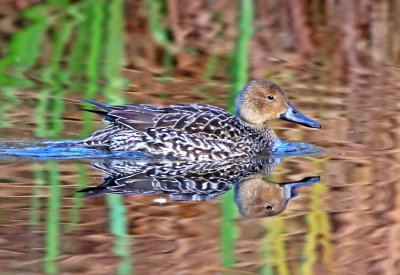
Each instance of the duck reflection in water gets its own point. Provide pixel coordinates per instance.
(182, 181)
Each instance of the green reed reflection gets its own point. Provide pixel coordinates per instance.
(78, 202)
(273, 245)
(34, 218)
(53, 219)
(49, 109)
(118, 227)
(7, 101)
(319, 231)
(229, 231)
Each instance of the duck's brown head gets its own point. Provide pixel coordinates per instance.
(262, 100)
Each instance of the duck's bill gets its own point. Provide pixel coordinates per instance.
(293, 115)
(291, 187)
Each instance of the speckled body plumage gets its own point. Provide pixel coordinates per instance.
(185, 131)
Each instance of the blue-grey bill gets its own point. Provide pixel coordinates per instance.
(293, 115)
(291, 187)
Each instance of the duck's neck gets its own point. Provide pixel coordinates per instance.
(263, 135)
(259, 128)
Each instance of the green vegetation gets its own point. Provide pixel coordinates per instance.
(160, 35)
(240, 58)
(79, 44)
(318, 238)
(77, 48)
(91, 33)
(53, 219)
(77, 201)
(273, 244)
(229, 231)
(118, 227)
(40, 181)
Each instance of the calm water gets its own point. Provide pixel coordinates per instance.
(346, 221)
(337, 210)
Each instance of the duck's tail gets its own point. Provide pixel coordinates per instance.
(98, 104)
(98, 190)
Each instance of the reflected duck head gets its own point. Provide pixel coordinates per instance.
(262, 100)
(258, 198)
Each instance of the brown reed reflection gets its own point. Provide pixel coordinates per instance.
(182, 181)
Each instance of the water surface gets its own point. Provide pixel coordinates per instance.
(47, 226)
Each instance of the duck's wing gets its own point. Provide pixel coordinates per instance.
(200, 119)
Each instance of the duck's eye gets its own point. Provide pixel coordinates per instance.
(271, 97)
(268, 207)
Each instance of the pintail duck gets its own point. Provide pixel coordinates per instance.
(199, 132)
(201, 181)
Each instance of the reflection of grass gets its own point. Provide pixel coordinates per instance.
(273, 246)
(77, 202)
(7, 101)
(48, 113)
(53, 219)
(118, 227)
(40, 113)
(319, 228)
(34, 218)
(229, 231)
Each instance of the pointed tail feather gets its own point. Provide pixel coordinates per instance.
(98, 104)
(101, 189)
(102, 113)
(94, 191)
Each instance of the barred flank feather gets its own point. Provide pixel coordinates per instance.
(186, 131)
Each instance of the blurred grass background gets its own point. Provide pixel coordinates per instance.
(87, 48)
(339, 41)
